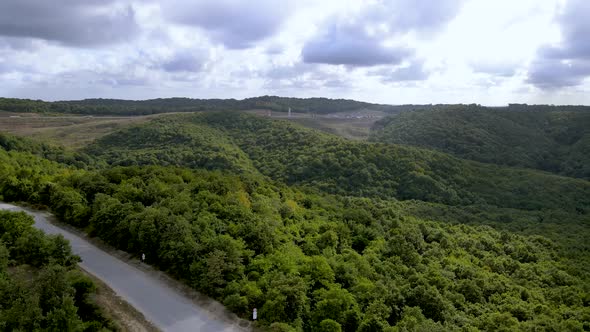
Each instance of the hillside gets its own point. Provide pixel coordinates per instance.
(295, 155)
(553, 139)
(317, 231)
(51, 152)
(168, 105)
(71, 131)
(165, 142)
(311, 261)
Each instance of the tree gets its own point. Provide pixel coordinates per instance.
(329, 325)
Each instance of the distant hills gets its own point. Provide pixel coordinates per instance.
(320, 232)
(295, 155)
(550, 138)
(167, 105)
(102, 106)
(545, 137)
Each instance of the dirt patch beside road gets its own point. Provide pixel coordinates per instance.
(125, 317)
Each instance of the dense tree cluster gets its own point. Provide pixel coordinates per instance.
(39, 288)
(274, 103)
(314, 261)
(299, 156)
(553, 139)
(167, 105)
(320, 233)
(51, 152)
(165, 143)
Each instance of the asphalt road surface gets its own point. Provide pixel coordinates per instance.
(165, 307)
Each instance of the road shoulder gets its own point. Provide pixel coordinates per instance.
(124, 315)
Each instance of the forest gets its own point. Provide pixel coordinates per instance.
(320, 106)
(553, 139)
(167, 105)
(40, 290)
(298, 156)
(322, 233)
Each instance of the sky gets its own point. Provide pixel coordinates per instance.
(389, 51)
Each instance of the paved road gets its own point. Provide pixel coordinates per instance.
(163, 306)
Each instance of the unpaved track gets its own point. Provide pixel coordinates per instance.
(167, 308)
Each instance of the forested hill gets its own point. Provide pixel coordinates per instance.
(215, 219)
(553, 139)
(51, 152)
(295, 155)
(167, 105)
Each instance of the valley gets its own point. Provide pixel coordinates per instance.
(320, 220)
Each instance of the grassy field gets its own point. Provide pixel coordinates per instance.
(357, 129)
(71, 131)
(78, 131)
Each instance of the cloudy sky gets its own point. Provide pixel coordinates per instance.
(389, 51)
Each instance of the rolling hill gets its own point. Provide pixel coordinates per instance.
(295, 155)
(553, 139)
(319, 232)
(168, 105)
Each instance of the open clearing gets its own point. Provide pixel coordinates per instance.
(78, 131)
(71, 131)
(351, 125)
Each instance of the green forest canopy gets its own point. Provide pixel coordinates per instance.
(40, 290)
(167, 105)
(553, 139)
(261, 213)
(295, 155)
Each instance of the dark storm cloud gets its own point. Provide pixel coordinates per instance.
(18, 44)
(5, 68)
(425, 16)
(414, 72)
(302, 75)
(70, 22)
(288, 71)
(236, 24)
(185, 62)
(274, 49)
(124, 81)
(359, 41)
(549, 73)
(568, 63)
(8, 66)
(351, 46)
(575, 28)
(94, 78)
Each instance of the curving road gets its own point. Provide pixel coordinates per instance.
(165, 307)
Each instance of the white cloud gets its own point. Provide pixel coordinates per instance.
(566, 63)
(398, 51)
(234, 23)
(72, 23)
